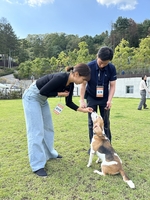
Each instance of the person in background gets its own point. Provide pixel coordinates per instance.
(100, 89)
(143, 89)
(40, 131)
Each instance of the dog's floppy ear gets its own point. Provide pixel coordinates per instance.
(102, 124)
(97, 130)
(95, 125)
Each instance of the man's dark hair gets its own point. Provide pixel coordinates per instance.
(105, 53)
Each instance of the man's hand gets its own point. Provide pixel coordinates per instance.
(108, 105)
(83, 104)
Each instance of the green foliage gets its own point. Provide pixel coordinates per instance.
(72, 57)
(144, 28)
(4, 94)
(121, 56)
(83, 55)
(133, 60)
(130, 60)
(60, 49)
(69, 178)
(129, 30)
(142, 55)
(6, 71)
(63, 59)
(8, 39)
(24, 70)
(42, 66)
(53, 64)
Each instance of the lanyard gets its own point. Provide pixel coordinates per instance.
(101, 77)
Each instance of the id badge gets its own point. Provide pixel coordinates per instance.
(99, 91)
(58, 109)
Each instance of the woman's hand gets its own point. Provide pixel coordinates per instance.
(63, 94)
(85, 110)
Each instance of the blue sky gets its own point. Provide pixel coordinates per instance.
(78, 17)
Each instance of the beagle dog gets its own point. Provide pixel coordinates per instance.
(111, 163)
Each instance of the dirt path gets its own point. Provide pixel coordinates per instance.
(20, 83)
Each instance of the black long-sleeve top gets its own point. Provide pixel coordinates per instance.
(49, 86)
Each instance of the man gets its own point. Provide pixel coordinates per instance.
(100, 89)
(143, 89)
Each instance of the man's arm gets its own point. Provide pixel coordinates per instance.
(111, 93)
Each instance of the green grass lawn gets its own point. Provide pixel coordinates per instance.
(69, 178)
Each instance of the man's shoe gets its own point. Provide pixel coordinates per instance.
(139, 109)
(59, 156)
(146, 108)
(41, 172)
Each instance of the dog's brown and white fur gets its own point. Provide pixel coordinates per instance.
(111, 163)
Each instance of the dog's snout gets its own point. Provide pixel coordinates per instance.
(93, 113)
(94, 116)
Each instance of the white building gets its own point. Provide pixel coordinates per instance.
(129, 87)
(125, 87)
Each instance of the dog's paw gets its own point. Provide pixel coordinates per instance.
(95, 171)
(131, 184)
(98, 160)
(98, 172)
(88, 165)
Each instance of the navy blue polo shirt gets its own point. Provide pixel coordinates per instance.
(99, 77)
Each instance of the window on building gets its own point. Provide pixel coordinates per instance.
(129, 89)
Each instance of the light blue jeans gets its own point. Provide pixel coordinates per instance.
(39, 125)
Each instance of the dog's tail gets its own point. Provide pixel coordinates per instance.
(126, 179)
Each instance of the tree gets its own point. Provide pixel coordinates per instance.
(53, 64)
(132, 34)
(90, 42)
(72, 55)
(119, 31)
(35, 46)
(24, 70)
(142, 55)
(83, 53)
(8, 40)
(54, 44)
(63, 60)
(72, 42)
(122, 56)
(23, 51)
(100, 40)
(144, 29)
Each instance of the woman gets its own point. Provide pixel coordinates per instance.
(143, 89)
(40, 132)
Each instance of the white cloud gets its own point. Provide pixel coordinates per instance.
(30, 2)
(38, 2)
(121, 4)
